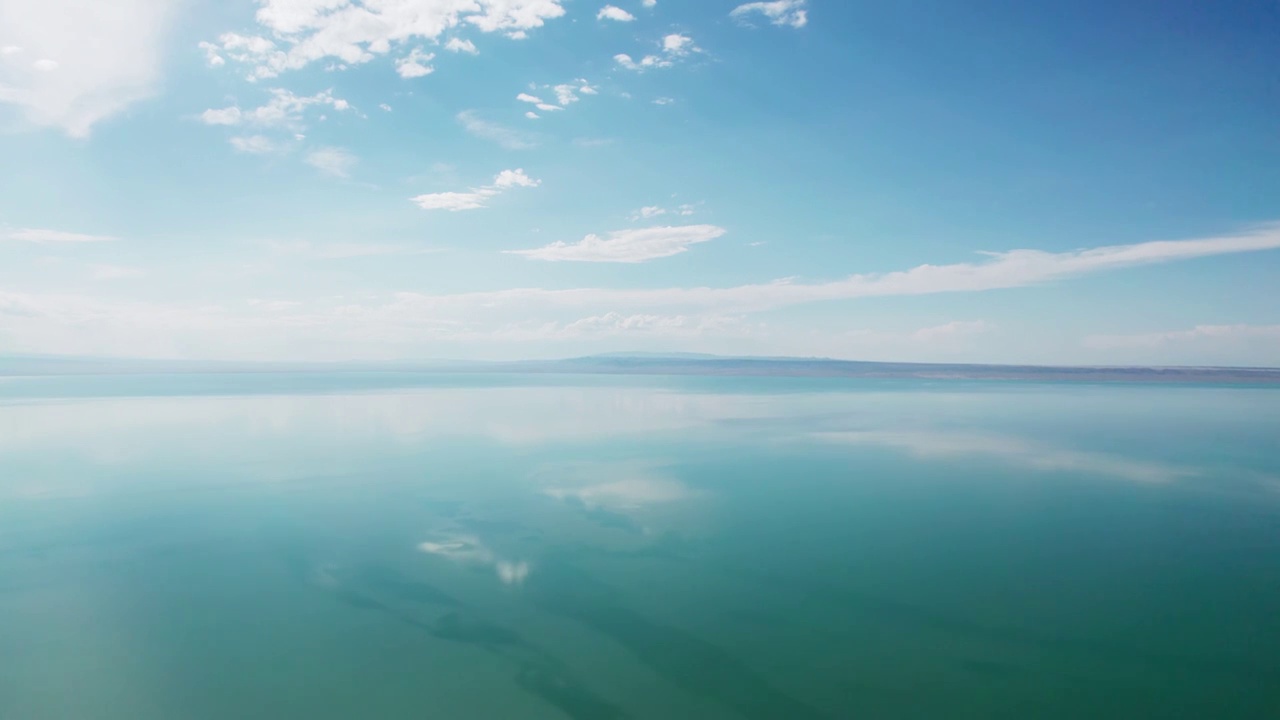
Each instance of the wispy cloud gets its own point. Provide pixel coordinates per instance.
(344, 250)
(1198, 334)
(478, 197)
(647, 212)
(117, 272)
(406, 323)
(332, 161)
(626, 246)
(673, 47)
(69, 64)
(459, 45)
(44, 235)
(415, 64)
(284, 109)
(353, 33)
(611, 12)
(254, 144)
(790, 13)
(506, 137)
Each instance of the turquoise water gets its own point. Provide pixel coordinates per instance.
(399, 546)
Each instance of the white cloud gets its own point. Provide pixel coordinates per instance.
(358, 31)
(385, 107)
(611, 12)
(459, 45)
(951, 331)
(537, 101)
(284, 109)
(254, 145)
(475, 198)
(43, 235)
(648, 61)
(686, 209)
(663, 101)
(626, 246)
(649, 3)
(72, 63)
(674, 47)
(1011, 269)
(333, 161)
(677, 44)
(116, 272)
(211, 55)
(407, 324)
(648, 211)
(1198, 333)
(532, 115)
(342, 250)
(1201, 345)
(414, 64)
(500, 134)
(614, 324)
(790, 13)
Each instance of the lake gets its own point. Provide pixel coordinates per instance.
(450, 546)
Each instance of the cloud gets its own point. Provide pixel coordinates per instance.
(414, 64)
(951, 331)
(332, 161)
(648, 61)
(354, 32)
(678, 45)
(284, 109)
(459, 45)
(615, 324)
(44, 235)
(476, 198)
(254, 145)
(73, 64)
(343, 250)
(663, 101)
(1202, 345)
(116, 272)
(648, 211)
(406, 324)
(537, 101)
(674, 47)
(626, 246)
(565, 93)
(611, 12)
(789, 13)
(532, 115)
(1198, 333)
(1011, 269)
(500, 134)
(385, 107)
(649, 3)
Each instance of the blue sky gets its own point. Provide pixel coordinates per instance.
(931, 181)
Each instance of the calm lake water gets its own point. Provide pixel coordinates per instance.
(397, 546)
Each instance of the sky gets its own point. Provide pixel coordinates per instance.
(1007, 182)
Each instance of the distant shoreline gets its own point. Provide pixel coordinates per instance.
(660, 365)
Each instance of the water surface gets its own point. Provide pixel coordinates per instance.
(399, 546)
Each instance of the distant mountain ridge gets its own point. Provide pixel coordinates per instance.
(656, 364)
